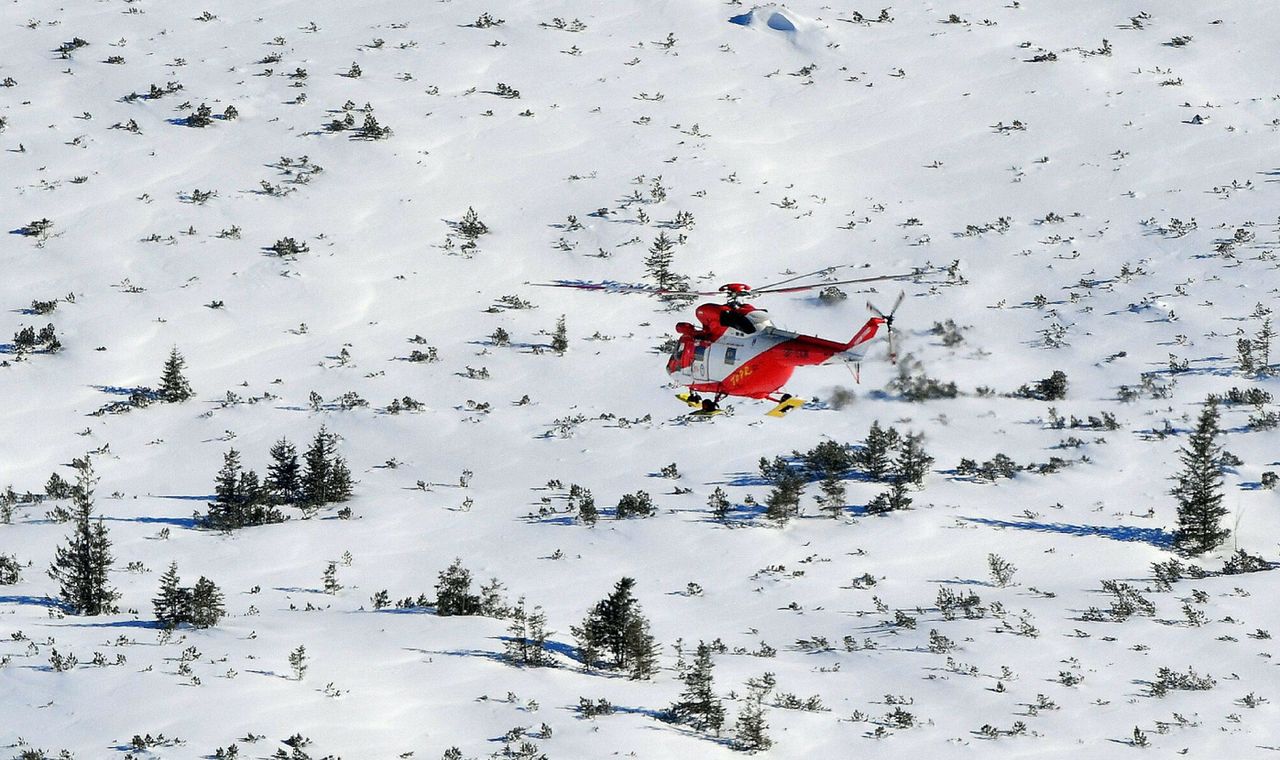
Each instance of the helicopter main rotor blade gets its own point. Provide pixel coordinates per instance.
(612, 286)
(799, 288)
(824, 270)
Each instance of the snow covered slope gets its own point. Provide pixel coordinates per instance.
(1101, 181)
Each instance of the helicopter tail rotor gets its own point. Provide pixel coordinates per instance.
(888, 323)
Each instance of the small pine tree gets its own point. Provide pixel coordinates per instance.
(615, 634)
(1002, 571)
(537, 637)
(453, 592)
(81, 567)
(226, 484)
(1199, 488)
(892, 500)
(330, 579)
(284, 474)
(560, 338)
(832, 498)
(698, 706)
(516, 647)
(829, 458)
(718, 503)
(751, 731)
(57, 487)
(317, 473)
(171, 604)
(239, 501)
(325, 476)
(657, 265)
(783, 502)
(1262, 348)
(250, 489)
(641, 652)
(1244, 353)
(206, 604)
(174, 387)
(298, 662)
(471, 227)
(340, 484)
(912, 463)
(493, 603)
(874, 456)
(526, 644)
(587, 511)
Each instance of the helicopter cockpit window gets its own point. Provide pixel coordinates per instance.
(760, 319)
(737, 320)
(699, 353)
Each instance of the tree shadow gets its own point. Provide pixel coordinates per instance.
(963, 582)
(177, 522)
(1157, 537)
(556, 519)
(648, 712)
(39, 601)
(1253, 485)
(739, 515)
(481, 653)
(145, 624)
(561, 648)
(119, 390)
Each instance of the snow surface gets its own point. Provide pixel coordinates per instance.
(876, 144)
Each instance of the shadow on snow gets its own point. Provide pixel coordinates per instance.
(1157, 537)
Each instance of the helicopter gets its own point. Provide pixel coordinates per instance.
(736, 350)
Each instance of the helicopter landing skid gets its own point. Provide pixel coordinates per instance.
(703, 407)
(692, 399)
(785, 405)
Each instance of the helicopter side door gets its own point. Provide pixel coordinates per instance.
(701, 360)
(726, 355)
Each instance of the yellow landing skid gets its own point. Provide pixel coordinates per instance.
(782, 409)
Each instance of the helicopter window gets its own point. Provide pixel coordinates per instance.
(730, 356)
(699, 353)
(737, 320)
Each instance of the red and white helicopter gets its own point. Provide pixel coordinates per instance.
(736, 350)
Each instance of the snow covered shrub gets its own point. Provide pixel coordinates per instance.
(1244, 562)
(914, 385)
(10, 570)
(638, 504)
(1167, 680)
(1051, 388)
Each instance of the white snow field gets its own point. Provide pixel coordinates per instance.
(1100, 177)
